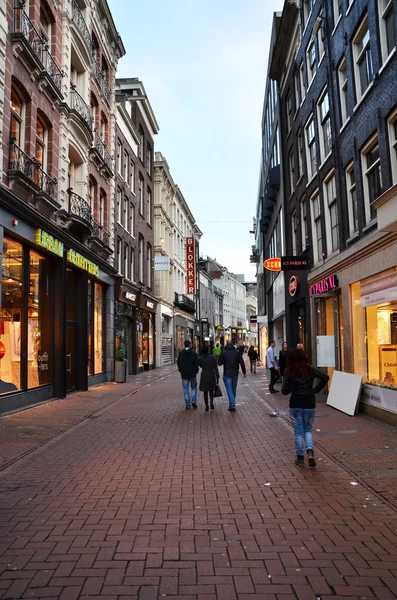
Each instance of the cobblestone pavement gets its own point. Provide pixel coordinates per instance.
(121, 493)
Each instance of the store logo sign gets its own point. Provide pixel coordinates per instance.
(190, 266)
(272, 264)
(150, 305)
(130, 296)
(83, 263)
(47, 241)
(325, 285)
(293, 286)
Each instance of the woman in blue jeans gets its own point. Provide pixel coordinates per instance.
(299, 376)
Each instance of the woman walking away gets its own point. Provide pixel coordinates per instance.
(253, 356)
(298, 380)
(282, 359)
(209, 376)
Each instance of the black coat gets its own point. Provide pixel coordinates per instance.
(231, 359)
(303, 393)
(252, 354)
(188, 363)
(209, 373)
(282, 360)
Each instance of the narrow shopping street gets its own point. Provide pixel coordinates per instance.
(119, 492)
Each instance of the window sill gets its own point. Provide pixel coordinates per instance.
(367, 91)
(370, 225)
(337, 24)
(388, 59)
(311, 179)
(350, 7)
(325, 160)
(321, 59)
(355, 236)
(345, 124)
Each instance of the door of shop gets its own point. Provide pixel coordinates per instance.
(328, 332)
(71, 295)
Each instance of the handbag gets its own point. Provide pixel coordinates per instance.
(218, 391)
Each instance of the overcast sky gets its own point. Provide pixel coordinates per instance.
(204, 66)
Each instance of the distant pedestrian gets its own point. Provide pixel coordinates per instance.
(241, 348)
(272, 366)
(282, 358)
(209, 376)
(217, 352)
(188, 367)
(298, 380)
(231, 359)
(253, 356)
(300, 347)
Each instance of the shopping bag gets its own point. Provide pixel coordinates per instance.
(218, 391)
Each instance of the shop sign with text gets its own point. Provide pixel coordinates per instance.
(190, 266)
(82, 262)
(325, 285)
(272, 264)
(47, 241)
(294, 263)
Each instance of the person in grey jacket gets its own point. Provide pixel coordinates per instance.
(298, 381)
(232, 360)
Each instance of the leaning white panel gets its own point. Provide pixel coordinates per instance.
(345, 392)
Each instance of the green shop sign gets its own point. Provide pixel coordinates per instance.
(47, 241)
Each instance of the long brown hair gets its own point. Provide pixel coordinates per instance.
(298, 364)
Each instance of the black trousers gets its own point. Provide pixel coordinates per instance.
(274, 377)
(211, 393)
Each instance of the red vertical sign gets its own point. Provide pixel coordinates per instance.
(190, 266)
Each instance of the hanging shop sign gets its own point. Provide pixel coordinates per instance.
(161, 263)
(130, 296)
(325, 285)
(293, 286)
(272, 264)
(294, 263)
(47, 241)
(82, 262)
(190, 266)
(150, 305)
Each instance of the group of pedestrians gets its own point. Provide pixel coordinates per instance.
(298, 380)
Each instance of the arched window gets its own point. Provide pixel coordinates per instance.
(92, 192)
(94, 110)
(104, 128)
(16, 129)
(41, 143)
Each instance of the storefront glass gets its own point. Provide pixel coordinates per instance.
(374, 321)
(180, 337)
(139, 342)
(151, 341)
(11, 315)
(39, 321)
(98, 329)
(90, 323)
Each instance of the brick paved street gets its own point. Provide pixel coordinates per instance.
(120, 493)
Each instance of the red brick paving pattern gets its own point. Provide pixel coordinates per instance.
(147, 500)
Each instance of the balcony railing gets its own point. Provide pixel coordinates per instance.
(99, 232)
(184, 302)
(102, 150)
(79, 207)
(31, 169)
(101, 79)
(79, 21)
(38, 44)
(78, 104)
(23, 25)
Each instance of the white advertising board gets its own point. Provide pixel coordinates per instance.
(381, 397)
(345, 392)
(161, 263)
(325, 348)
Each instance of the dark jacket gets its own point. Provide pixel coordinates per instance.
(303, 393)
(209, 374)
(231, 359)
(252, 354)
(188, 363)
(282, 361)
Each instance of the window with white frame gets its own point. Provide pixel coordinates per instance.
(125, 165)
(149, 206)
(102, 205)
(291, 164)
(132, 220)
(300, 153)
(337, 11)
(132, 175)
(363, 69)
(316, 227)
(332, 221)
(311, 148)
(311, 60)
(125, 213)
(126, 261)
(118, 255)
(294, 229)
(118, 206)
(298, 93)
(320, 41)
(148, 159)
(392, 125)
(140, 143)
(372, 176)
(324, 120)
(352, 206)
(140, 194)
(387, 31)
(307, 8)
(132, 264)
(118, 156)
(302, 80)
(140, 259)
(343, 90)
(149, 266)
(288, 107)
(303, 219)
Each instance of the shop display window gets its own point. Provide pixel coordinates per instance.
(95, 328)
(90, 323)
(39, 321)
(11, 316)
(151, 341)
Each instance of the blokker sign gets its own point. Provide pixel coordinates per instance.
(190, 266)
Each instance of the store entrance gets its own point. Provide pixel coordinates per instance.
(328, 331)
(71, 296)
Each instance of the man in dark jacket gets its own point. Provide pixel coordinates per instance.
(231, 359)
(188, 367)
